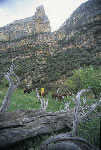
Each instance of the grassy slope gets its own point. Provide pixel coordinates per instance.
(19, 100)
(89, 130)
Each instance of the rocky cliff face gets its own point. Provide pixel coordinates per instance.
(86, 13)
(38, 23)
(42, 23)
(44, 56)
(81, 29)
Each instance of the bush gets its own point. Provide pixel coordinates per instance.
(87, 77)
(90, 130)
(4, 83)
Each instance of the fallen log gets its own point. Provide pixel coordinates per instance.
(22, 125)
(66, 142)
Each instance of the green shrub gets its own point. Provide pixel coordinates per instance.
(87, 77)
(90, 130)
(4, 83)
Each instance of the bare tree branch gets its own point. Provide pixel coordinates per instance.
(44, 104)
(90, 110)
(77, 110)
(14, 82)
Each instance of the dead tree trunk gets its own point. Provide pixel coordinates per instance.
(14, 81)
(18, 126)
(77, 111)
(44, 104)
(70, 140)
(66, 142)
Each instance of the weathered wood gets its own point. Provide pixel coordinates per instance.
(79, 116)
(18, 126)
(66, 142)
(14, 82)
(77, 111)
(44, 104)
(21, 125)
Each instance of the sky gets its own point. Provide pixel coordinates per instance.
(56, 10)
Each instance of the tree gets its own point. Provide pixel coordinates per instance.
(35, 123)
(82, 112)
(84, 78)
(14, 81)
(71, 140)
(44, 104)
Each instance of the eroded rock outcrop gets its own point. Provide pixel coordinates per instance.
(42, 23)
(83, 26)
(38, 23)
(32, 39)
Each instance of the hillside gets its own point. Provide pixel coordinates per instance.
(21, 28)
(83, 28)
(45, 58)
